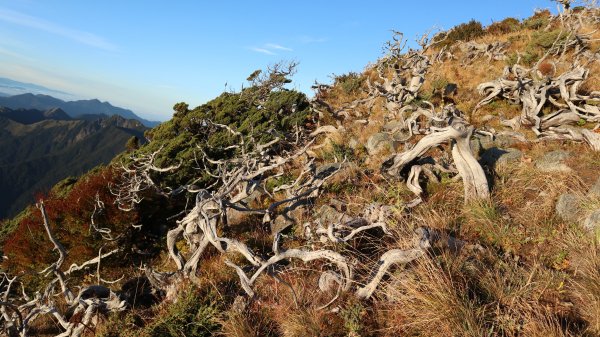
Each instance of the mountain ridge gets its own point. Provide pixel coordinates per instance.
(41, 101)
(41, 148)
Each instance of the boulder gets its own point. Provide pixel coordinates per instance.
(594, 191)
(502, 140)
(495, 156)
(326, 170)
(379, 142)
(554, 162)
(328, 214)
(476, 146)
(592, 221)
(568, 207)
(284, 222)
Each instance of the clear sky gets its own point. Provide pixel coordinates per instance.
(148, 55)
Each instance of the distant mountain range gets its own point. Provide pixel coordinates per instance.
(42, 147)
(10, 87)
(20, 95)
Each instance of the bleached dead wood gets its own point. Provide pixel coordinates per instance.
(18, 313)
(305, 255)
(459, 133)
(401, 74)
(137, 178)
(473, 50)
(395, 257)
(519, 86)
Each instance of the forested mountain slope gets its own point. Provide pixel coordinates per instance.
(42, 148)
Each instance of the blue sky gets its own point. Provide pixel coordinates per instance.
(149, 55)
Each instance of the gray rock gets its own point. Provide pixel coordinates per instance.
(592, 221)
(594, 191)
(502, 140)
(476, 146)
(568, 207)
(338, 205)
(285, 222)
(326, 170)
(328, 214)
(499, 157)
(281, 223)
(254, 197)
(235, 217)
(505, 140)
(392, 126)
(378, 142)
(486, 142)
(401, 136)
(353, 143)
(553, 162)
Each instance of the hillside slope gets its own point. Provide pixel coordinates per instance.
(448, 190)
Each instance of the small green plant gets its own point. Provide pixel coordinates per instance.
(279, 181)
(350, 83)
(530, 58)
(512, 59)
(545, 40)
(439, 83)
(191, 315)
(352, 319)
(132, 144)
(339, 152)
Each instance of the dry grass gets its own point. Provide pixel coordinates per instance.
(534, 274)
(584, 286)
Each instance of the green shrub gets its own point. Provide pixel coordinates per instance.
(545, 40)
(505, 26)
(182, 138)
(350, 83)
(191, 315)
(540, 42)
(352, 316)
(339, 152)
(539, 20)
(463, 32)
(530, 57)
(512, 59)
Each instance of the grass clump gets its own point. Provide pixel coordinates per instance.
(350, 83)
(190, 315)
(463, 32)
(505, 26)
(539, 20)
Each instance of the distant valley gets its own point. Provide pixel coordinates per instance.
(42, 147)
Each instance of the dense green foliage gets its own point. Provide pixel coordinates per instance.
(463, 32)
(350, 83)
(184, 137)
